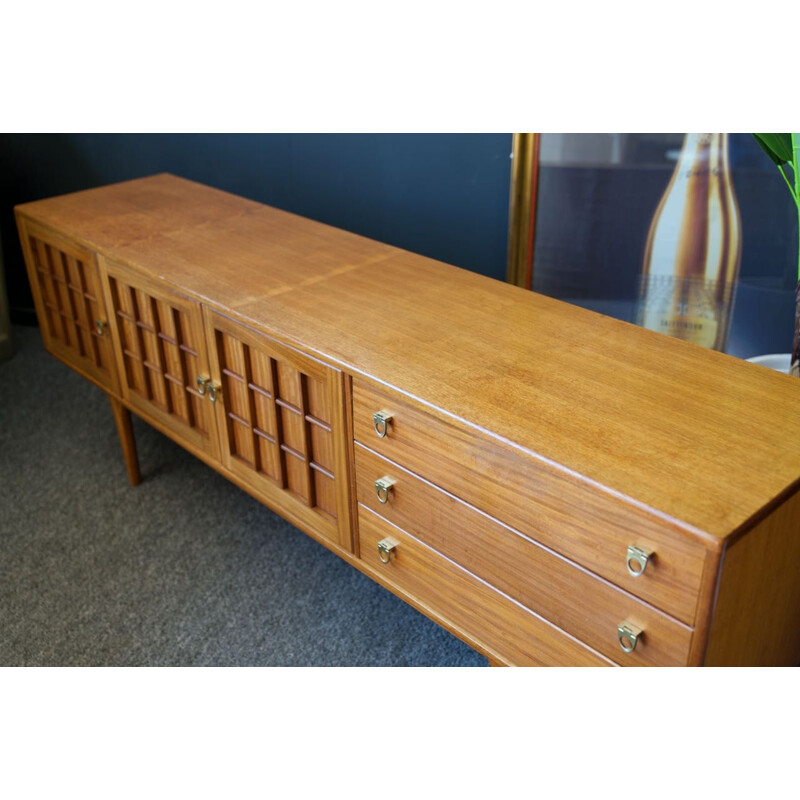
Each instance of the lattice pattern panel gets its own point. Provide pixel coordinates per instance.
(278, 422)
(70, 293)
(161, 354)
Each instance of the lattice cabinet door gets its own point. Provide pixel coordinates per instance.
(69, 302)
(162, 353)
(281, 419)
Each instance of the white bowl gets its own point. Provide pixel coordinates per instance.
(778, 361)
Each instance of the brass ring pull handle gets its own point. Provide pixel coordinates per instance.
(100, 326)
(637, 560)
(202, 383)
(214, 392)
(381, 420)
(386, 549)
(382, 488)
(628, 636)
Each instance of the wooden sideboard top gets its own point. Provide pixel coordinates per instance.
(699, 436)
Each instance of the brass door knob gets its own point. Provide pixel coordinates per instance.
(381, 420)
(628, 636)
(386, 549)
(637, 560)
(382, 488)
(214, 392)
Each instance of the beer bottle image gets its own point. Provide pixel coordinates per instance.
(694, 247)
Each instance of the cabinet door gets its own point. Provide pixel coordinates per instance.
(69, 302)
(282, 426)
(161, 351)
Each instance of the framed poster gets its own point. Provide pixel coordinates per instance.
(691, 235)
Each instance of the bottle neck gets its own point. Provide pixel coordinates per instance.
(703, 154)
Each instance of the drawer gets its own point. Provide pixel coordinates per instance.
(572, 516)
(477, 613)
(567, 595)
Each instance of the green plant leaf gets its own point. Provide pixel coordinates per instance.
(778, 146)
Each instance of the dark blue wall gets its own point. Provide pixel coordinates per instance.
(442, 195)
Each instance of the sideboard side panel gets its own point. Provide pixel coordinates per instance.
(756, 620)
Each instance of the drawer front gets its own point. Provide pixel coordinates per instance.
(69, 302)
(572, 517)
(466, 605)
(568, 596)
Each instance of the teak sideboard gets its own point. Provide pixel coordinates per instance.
(553, 486)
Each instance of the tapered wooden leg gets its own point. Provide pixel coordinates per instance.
(122, 417)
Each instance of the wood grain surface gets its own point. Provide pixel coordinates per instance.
(699, 436)
(281, 422)
(574, 518)
(160, 345)
(69, 301)
(122, 419)
(535, 440)
(450, 593)
(756, 621)
(563, 593)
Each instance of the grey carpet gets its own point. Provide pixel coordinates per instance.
(184, 570)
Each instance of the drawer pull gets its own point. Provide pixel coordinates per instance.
(386, 549)
(382, 488)
(202, 382)
(381, 420)
(100, 326)
(628, 636)
(637, 560)
(214, 392)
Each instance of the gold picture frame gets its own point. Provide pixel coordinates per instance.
(522, 208)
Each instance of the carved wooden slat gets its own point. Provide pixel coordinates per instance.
(85, 310)
(135, 351)
(66, 303)
(161, 361)
(281, 456)
(303, 387)
(51, 296)
(186, 378)
(251, 402)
